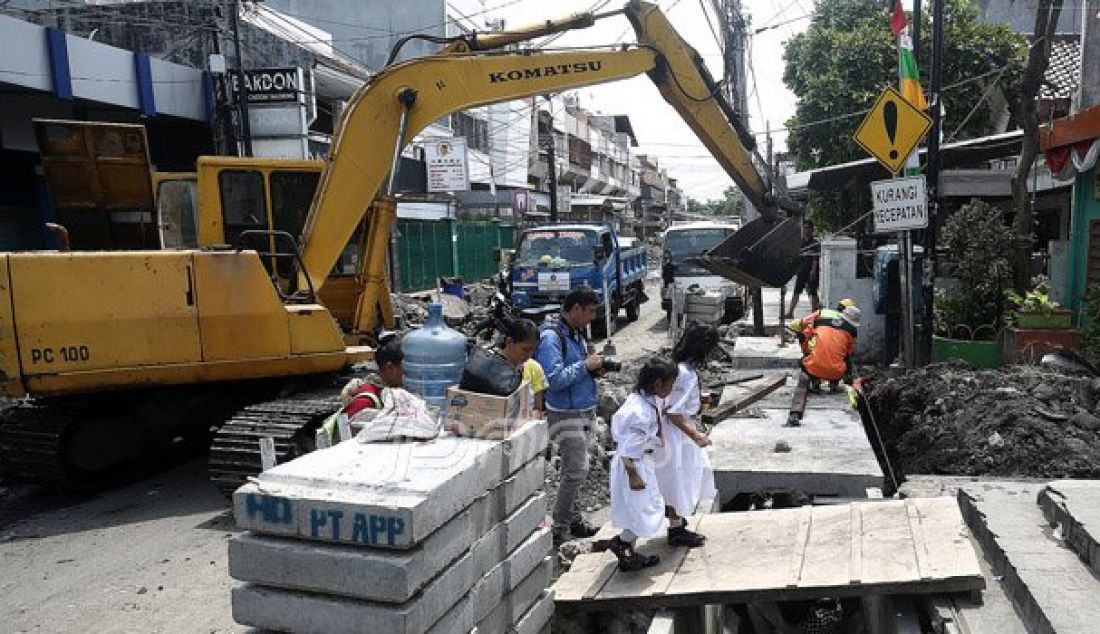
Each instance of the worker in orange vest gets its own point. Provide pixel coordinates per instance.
(828, 340)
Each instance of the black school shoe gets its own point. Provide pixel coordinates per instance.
(630, 559)
(583, 529)
(559, 536)
(681, 536)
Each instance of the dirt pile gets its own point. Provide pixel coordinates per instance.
(1017, 421)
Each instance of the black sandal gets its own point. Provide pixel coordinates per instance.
(630, 559)
(681, 536)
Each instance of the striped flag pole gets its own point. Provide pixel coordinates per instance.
(909, 87)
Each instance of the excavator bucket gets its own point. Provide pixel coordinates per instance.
(762, 253)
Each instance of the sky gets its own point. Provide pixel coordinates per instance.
(660, 131)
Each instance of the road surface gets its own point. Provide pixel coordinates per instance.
(151, 556)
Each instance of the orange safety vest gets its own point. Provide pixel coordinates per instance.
(829, 349)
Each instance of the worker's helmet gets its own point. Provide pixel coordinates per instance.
(851, 315)
(846, 303)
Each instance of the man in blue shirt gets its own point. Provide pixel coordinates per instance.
(570, 403)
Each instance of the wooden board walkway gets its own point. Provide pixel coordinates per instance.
(915, 546)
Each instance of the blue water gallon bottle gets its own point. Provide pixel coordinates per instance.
(435, 356)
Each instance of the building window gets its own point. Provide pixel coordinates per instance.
(475, 130)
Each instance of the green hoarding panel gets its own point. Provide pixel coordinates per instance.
(424, 253)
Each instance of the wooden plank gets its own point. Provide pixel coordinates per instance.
(725, 410)
(585, 577)
(649, 581)
(744, 551)
(916, 534)
(798, 555)
(798, 401)
(855, 535)
(887, 544)
(792, 554)
(1083, 126)
(950, 551)
(828, 549)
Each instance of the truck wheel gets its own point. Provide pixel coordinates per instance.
(633, 310)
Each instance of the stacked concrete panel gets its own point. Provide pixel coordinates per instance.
(439, 536)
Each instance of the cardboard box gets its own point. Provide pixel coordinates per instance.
(485, 415)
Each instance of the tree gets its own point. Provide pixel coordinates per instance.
(1046, 20)
(847, 56)
(731, 204)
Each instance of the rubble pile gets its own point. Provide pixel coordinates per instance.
(408, 310)
(1018, 421)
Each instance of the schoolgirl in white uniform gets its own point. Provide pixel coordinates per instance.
(637, 508)
(683, 470)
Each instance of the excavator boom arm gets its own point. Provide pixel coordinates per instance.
(362, 149)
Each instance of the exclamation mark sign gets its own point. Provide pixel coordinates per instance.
(890, 118)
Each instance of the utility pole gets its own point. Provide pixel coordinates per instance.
(242, 87)
(932, 174)
(222, 95)
(735, 89)
(782, 289)
(551, 157)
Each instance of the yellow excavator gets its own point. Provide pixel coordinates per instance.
(119, 350)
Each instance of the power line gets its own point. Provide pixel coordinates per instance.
(717, 40)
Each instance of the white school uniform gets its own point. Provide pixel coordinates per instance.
(634, 428)
(683, 469)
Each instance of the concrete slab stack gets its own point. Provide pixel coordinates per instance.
(421, 537)
(704, 308)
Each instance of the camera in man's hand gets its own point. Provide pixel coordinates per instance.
(611, 365)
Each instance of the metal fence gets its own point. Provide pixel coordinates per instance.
(430, 249)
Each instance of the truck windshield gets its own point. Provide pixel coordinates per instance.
(679, 245)
(557, 247)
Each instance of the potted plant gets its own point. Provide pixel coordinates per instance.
(1035, 310)
(968, 320)
(1037, 325)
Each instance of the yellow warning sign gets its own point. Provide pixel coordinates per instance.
(892, 130)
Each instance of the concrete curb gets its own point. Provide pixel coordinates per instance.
(1050, 588)
(285, 610)
(1075, 505)
(392, 576)
(381, 495)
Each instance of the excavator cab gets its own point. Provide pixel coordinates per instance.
(765, 252)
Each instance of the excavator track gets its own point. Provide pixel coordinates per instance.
(32, 441)
(290, 422)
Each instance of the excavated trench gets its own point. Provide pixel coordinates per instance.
(1018, 421)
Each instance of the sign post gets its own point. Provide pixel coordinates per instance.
(891, 133)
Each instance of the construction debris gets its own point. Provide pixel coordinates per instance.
(1016, 421)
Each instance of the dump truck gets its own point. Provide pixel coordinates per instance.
(680, 244)
(551, 260)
